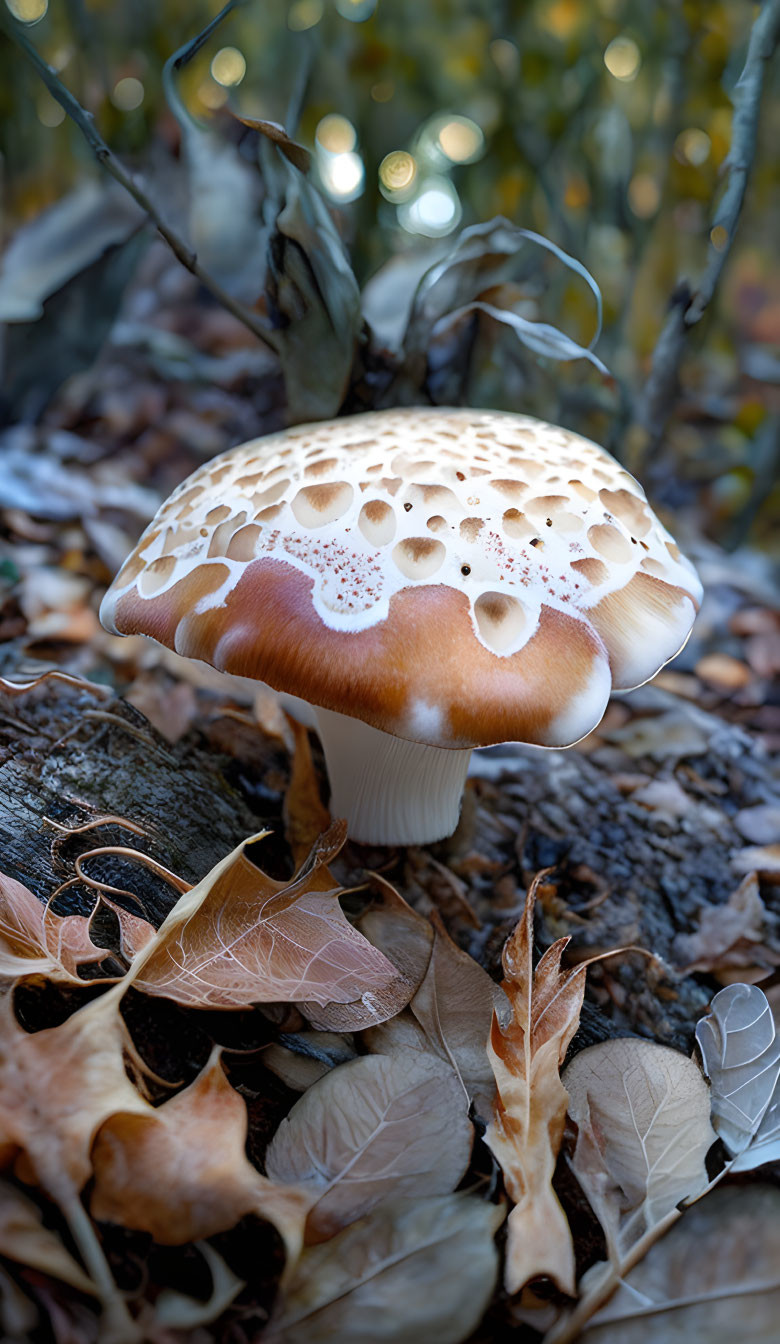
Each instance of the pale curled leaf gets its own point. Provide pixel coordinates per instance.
(412, 1270)
(741, 1055)
(540, 337)
(643, 1118)
(529, 1112)
(34, 940)
(240, 938)
(375, 1128)
(714, 1276)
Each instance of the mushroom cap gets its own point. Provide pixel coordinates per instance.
(453, 577)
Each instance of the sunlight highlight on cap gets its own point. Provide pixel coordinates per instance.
(228, 67)
(622, 58)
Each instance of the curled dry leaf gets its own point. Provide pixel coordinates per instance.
(240, 938)
(376, 1128)
(180, 1171)
(713, 1277)
(24, 1239)
(405, 939)
(740, 1051)
(730, 936)
(411, 1270)
(33, 940)
(529, 1112)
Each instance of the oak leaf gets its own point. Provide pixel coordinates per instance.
(180, 1170)
(529, 1112)
(372, 1129)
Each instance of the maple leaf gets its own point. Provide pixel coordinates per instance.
(529, 1111)
(239, 938)
(180, 1170)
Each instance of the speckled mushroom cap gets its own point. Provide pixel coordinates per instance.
(452, 577)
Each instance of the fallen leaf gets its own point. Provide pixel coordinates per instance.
(25, 1239)
(411, 1270)
(455, 1005)
(375, 1128)
(297, 154)
(643, 1117)
(175, 1311)
(180, 1170)
(304, 1057)
(740, 1052)
(305, 815)
(713, 1277)
(35, 941)
(239, 938)
(529, 1112)
(730, 936)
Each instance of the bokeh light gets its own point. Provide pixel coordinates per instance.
(356, 10)
(622, 58)
(127, 94)
(435, 211)
(719, 237)
(28, 11)
(383, 91)
(397, 175)
(336, 134)
(343, 176)
(49, 111)
(461, 139)
(212, 95)
(692, 146)
(505, 55)
(228, 67)
(644, 195)
(304, 14)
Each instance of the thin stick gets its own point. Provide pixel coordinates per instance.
(112, 165)
(688, 304)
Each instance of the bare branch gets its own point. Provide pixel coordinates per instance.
(85, 122)
(689, 303)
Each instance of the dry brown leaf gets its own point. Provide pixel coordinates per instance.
(24, 1239)
(33, 940)
(731, 936)
(180, 1171)
(305, 815)
(297, 154)
(529, 1113)
(411, 1270)
(455, 1005)
(376, 1128)
(402, 936)
(240, 938)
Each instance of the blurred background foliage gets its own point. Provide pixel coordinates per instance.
(601, 124)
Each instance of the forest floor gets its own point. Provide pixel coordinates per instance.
(658, 832)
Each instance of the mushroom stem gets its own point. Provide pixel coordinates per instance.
(391, 791)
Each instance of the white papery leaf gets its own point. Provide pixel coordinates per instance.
(540, 337)
(642, 1111)
(741, 1055)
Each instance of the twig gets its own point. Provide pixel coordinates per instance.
(689, 303)
(112, 164)
(183, 55)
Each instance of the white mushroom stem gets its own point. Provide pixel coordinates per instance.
(392, 792)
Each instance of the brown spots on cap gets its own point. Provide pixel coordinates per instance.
(552, 511)
(643, 625)
(501, 620)
(654, 567)
(595, 571)
(470, 528)
(243, 543)
(269, 515)
(223, 533)
(156, 575)
(583, 490)
(419, 557)
(438, 524)
(674, 550)
(610, 543)
(514, 491)
(217, 515)
(628, 509)
(377, 522)
(316, 505)
(261, 498)
(325, 466)
(433, 497)
(517, 526)
(392, 484)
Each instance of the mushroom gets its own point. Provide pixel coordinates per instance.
(416, 583)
